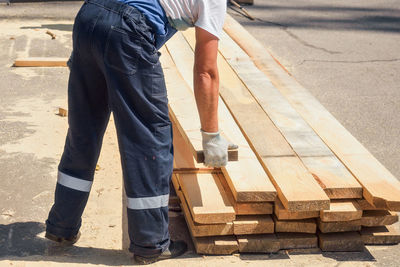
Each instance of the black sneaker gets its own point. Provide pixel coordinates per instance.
(175, 249)
(62, 240)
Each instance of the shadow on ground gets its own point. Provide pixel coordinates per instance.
(20, 241)
(23, 241)
(327, 17)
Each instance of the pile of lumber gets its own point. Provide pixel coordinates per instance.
(301, 179)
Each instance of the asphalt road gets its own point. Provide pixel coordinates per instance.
(347, 54)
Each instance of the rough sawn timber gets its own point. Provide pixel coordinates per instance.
(197, 229)
(380, 187)
(342, 211)
(347, 242)
(41, 62)
(378, 218)
(246, 208)
(283, 214)
(296, 188)
(380, 235)
(333, 177)
(204, 193)
(246, 177)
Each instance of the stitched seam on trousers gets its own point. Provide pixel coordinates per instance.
(92, 30)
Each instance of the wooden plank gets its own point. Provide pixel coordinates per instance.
(297, 190)
(297, 240)
(246, 178)
(253, 208)
(295, 226)
(216, 245)
(271, 150)
(256, 126)
(334, 178)
(380, 235)
(270, 146)
(342, 211)
(175, 183)
(283, 214)
(365, 205)
(345, 242)
(335, 227)
(380, 187)
(206, 198)
(41, 62)
(233, 155)
(253, 224)
(378, 218)
(267, 243)
(204, 193)
(198, 230)
(183, 157)
(246, 208)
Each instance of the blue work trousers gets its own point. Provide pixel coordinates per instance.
(115, 68)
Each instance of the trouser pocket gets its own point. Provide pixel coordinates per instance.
(122, 51)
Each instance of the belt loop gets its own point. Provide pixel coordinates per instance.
(128, 11)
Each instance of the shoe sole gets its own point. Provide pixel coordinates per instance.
(61, 240)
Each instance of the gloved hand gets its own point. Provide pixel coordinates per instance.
(215, 149)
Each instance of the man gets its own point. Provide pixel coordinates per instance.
(115, 68)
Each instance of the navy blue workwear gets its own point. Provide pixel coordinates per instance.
(115, 68)
(156, 17)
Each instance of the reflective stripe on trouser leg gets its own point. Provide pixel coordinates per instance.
(74, 183)
(142, 203)
(70, 200)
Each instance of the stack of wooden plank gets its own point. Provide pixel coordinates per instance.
(301, 180)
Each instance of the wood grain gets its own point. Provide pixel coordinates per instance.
(253, 224)
(297, 240)
(295, 226)
(345, 242)
(206, 198)
(335, 227)
(197, 229)
(40, 62)
(216, 245)
(334, 178)
(258, 243)
(378, 218)
(380, 187)
(253, 120)
(380, 235)
(246, 178)
(283, 214)
(342, 211)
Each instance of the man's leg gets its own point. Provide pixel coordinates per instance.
(88, 115)
(140, 107)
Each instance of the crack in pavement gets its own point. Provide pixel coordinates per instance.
(298, 39)
(303, 42)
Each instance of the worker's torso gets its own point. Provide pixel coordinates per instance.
(167, 16)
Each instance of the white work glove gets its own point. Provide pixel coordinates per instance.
(215, 149)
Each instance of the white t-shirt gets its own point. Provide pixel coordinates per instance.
(206, 14)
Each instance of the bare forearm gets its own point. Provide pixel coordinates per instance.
(206, 92)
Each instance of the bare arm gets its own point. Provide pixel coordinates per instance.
(206, 79)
